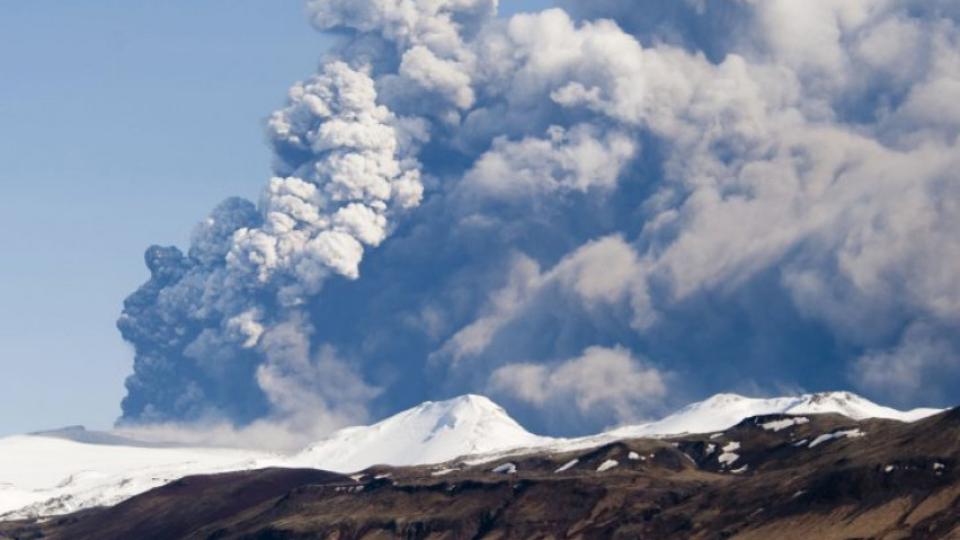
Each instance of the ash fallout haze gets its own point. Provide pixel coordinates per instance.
(592, 212)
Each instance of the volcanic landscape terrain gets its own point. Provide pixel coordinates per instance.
(770, 476)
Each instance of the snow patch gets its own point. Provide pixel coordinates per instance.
(607, 465)
(778, 425)
(567, 466)
(729, 456)
(848, 433)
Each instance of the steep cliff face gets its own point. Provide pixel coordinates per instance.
(789, 476)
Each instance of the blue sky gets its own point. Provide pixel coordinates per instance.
(121, 124)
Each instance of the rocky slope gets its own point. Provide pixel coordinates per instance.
(778, 475)
(69, 470)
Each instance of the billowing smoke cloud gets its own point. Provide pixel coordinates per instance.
(685, 197)
(231, 310)
(597, 384)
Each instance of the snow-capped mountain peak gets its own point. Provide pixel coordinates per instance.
(853, 406)
(432, 432)
(70, 469)
(722, 411)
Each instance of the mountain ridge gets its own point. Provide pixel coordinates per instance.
(726, 409)
(432, 432)
(778, 475)
(103, 469)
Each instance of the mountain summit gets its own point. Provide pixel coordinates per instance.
(778, 475)
(432, 432)
(67, 470)
(725, 410)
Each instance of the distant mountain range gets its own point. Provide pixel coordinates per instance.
(67, 470)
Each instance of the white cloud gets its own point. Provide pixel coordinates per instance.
(601, 273)
(316, 391)
(523, 281)
(906, 372)
(600, 379)
(578, 159)
(447, 78)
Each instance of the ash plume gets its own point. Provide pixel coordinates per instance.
(694, 195)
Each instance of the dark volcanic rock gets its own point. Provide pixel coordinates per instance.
(870, 479)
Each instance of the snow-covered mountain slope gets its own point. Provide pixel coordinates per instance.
(52, 474)
(854, 406)
(725, 410)
(66, 470)
(82, 435)
(433, 432)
